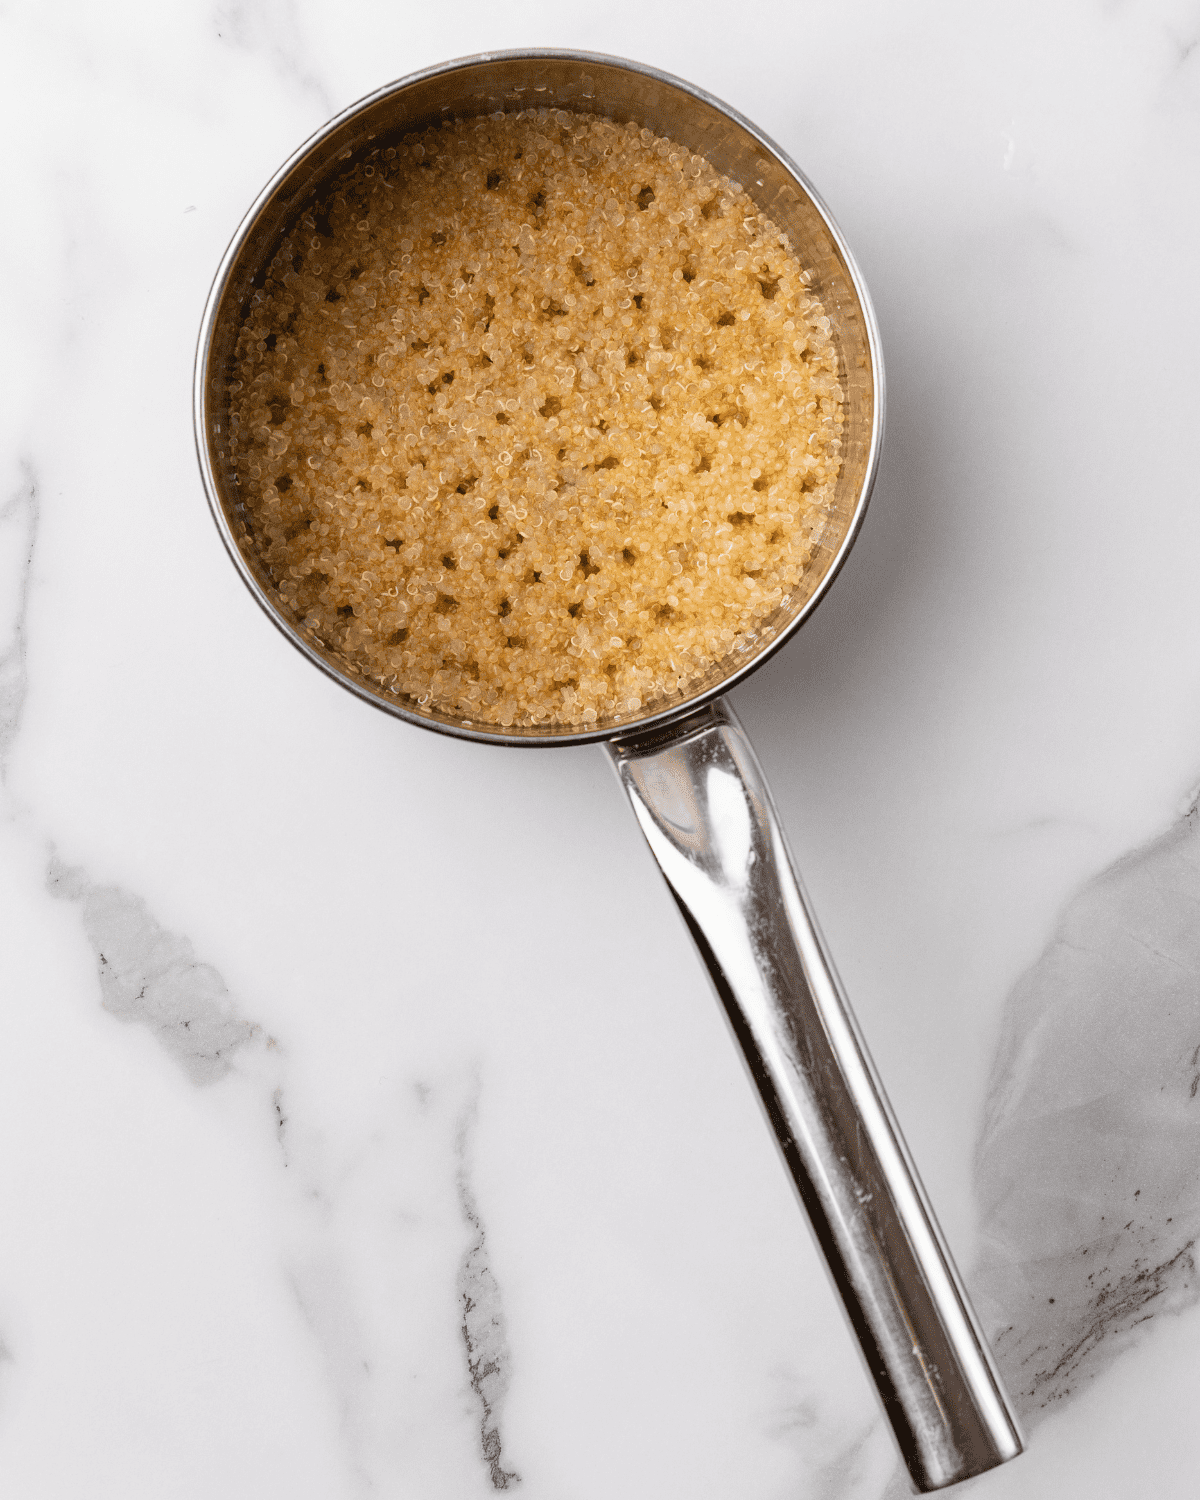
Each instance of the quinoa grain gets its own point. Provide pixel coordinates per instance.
(535, 418)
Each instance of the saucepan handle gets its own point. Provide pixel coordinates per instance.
(700, 797)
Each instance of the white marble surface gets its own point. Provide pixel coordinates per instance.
(366, 1125)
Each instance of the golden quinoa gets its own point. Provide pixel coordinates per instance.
(535, 419)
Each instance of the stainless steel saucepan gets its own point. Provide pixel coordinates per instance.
(686, 764)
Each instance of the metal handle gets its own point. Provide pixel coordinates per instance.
(703, 804)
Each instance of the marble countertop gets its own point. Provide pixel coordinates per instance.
(367, 1126)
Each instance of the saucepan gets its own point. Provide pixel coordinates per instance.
(685, 762)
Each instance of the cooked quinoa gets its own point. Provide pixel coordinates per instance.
(535, 419)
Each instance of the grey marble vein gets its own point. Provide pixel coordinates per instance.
(1088, 1170)
(151, 977)
(274, 30)
(483, 1331)
(325, 1302)
(20, 513)
(840, 1476)
(1184, 46)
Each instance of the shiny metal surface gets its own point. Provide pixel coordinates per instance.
(702, 802)
(587, 82)
(688, 769)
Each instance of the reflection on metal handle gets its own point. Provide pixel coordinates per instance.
(702, 802)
